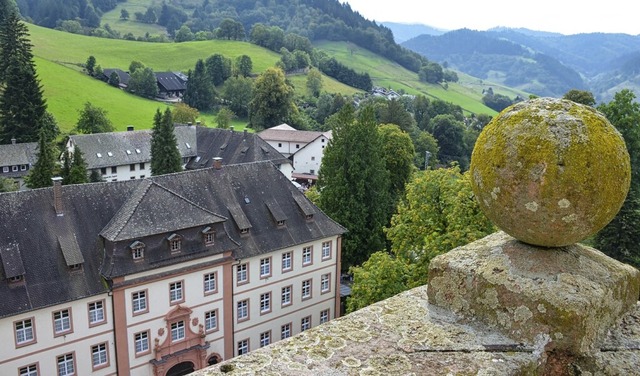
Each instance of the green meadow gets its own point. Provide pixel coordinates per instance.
(60, 56)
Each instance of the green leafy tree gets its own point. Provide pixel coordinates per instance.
(580, 96)
(200, 93)
(143, 83)
(90, 65)
(165, 156)
(272, 101)
(439, 213)
(224, 118)
(183, 114)
(431, 73)
(314, 83)
(354, 184)
(230, 29)
(93, 119)
(114, 79)
(450, 135)
(237, 92)
(134, 66)
(243, 66)
(124, 14)
(380, 277)
(8, 185)
(42, 171)
(398, 154)
(620, 239)
(218, 69)
(184, 34)
(427, 149)
(393, 112)
(22, 110)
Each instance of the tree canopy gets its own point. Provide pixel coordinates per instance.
(42, 171)
(200, 93)
(272, 101)
(93, 119)
(165, 156)
(354, 184)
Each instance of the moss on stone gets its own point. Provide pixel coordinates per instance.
(550, 172)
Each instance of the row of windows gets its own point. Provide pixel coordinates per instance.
(66, 363)
(140, 299)
(242, 270)
(6, 169)
(285, 332)
(114, 169)
(174, 242)
(25, 329)
(286, 298)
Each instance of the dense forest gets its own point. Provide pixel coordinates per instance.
(313, 19)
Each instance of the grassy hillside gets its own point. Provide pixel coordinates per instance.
(138, 29)
(467, 92)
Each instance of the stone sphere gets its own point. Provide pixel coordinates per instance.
(550, 172)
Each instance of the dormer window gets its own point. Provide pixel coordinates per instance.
(75, 267)
(15, 279)
(175, 243)
(244, 230)
(309, 216)
(208, 236)
(137, 250)
(280, 223)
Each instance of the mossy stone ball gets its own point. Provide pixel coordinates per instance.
(550, 172)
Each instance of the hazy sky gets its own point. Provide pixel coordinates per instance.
(561, 16)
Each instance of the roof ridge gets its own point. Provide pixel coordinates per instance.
(124, 211)
(189, 201)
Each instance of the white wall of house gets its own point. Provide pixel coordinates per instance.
(308, 159)
(271, 321)
(286, 148)
(126, 172)
(47, 346)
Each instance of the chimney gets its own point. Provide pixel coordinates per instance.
(217, 163)
(13, 141)
(57, 195)
(129, 128)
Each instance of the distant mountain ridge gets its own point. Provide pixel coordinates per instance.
(539, 62)
(404, 31)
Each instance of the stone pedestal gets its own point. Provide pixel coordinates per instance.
(567, 297)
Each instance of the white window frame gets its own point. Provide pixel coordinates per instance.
(242, 310)
(30, 370)
(285, 331)
(265, 338)
(286, 296)
(325, 283)
(326, 250)
(324, 316)
(96, 312)
(265, 302)
(305, 323)
(139, 302)
(178, 331)
(141, 342)
(176, 292)
(66, 365)
(211, 320)
(306, 289)
(243, 346)
(265, 267)
(307, 256)
(62, 321)
(287, 261)
(242, 273)
(99, 356)
(24, 332)
(210, 281)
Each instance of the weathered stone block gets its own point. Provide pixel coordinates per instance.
(568, 296)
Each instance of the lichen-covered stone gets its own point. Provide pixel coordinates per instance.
(550, 172)
(571, 295)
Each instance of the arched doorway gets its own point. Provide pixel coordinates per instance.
(181, 369)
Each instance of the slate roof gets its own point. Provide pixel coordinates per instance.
(233, 147)
(18, 154)
(128, 147)
(31, 232)
(122, 75)
(169, 81)
(305, 137)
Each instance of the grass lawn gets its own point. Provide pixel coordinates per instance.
(138, 29)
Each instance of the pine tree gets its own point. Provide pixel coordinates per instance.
(165, 156)
(22, 106)
(200, 92)
(355, 185)
(42, 172)
(78, 170)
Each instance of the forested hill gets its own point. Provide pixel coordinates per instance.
(314, 19)
(483, 55)
(540, 62)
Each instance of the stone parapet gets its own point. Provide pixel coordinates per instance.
(570, 295)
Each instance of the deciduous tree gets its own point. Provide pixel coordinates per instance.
(314, 82)
(237, 92)
(272, 101)
(580, 96)
(224, 117)
(620, 239)
(165, 156)
(398, 154)
(183, 114)
(143, 83)
(243, 66)
(93, 119)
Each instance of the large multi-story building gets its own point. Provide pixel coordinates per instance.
(127, 155)
(161, 276)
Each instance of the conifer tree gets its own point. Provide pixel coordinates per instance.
(42, 171)
(354, 183)
(200, 92)
(22, 106)
(165, 156)
(74, 167)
